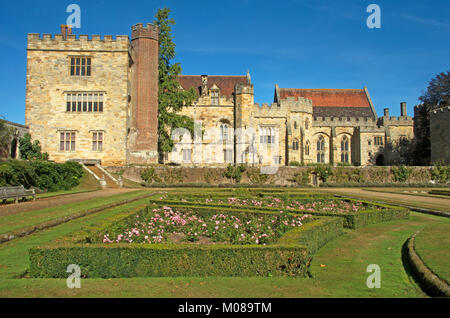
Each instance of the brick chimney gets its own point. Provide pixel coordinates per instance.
(403, 109)
(66, 30)
(143, 143)
(204, 85)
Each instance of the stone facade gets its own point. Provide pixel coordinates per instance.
(95, 76)
(17, 132)
(96, 99)
(307, 125)
(439, 132)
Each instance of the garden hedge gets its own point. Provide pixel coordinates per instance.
(290, 256)
(351, 220)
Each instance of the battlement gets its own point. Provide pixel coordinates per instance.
(396, 121)
(149, 31)
(439, 111)
(57, 42)
(244, 89)
(287, 106)
(344, 121)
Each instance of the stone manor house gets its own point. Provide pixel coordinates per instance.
(96, 99)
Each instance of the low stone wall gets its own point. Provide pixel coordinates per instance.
(285, 176)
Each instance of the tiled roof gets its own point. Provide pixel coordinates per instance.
(333, 102)
(225, 83)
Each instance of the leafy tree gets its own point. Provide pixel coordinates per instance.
(437, 95)
(172, 98)
(31, 150)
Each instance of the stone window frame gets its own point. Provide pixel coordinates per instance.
(277, 160)
(215, 97)
(295, 144)
(187, 154)
(85, 101)
(228, 155)
(345, 149)
(96, 141)
(67, 140)
(267, 135)
(307, 147)
(306, 123)
(85, 65)
(224, 131)
(378, 140)
(320, 145)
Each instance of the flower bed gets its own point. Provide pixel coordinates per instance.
(167, 225)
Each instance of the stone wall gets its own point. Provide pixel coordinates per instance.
(48, 81)
(440, 132)
(284, 176)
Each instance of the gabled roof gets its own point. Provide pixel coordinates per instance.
(225, 83)
(333, 102)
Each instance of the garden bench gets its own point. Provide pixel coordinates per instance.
(16, 193)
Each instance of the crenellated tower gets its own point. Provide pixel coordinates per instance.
(143, 126)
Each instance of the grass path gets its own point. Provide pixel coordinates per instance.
(433, 203)
(344, 275)
(432, 245)
(22, 220)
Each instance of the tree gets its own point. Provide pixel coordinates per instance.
(437, 95)
(31, 150)
(171, 98)
(5, 137)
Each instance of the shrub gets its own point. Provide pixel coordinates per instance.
(31, 150)
(323, 171)
(234, 172)
(256, 177)
(41, 174)
(149, 175)
(296, 164)
(440, 172)
(401, 173)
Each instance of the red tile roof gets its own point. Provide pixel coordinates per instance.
(225, 83)
(329, 97)
(333, 102)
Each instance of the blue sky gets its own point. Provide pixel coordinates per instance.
(296, 43)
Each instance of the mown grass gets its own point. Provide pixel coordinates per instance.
(344, 274)
(22, 220)
(432, 244)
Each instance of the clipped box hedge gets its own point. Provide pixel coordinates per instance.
(351, 220)
(290, 256)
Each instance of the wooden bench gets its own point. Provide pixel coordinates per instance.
(16, 193)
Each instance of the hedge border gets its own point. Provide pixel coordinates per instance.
(429, 281)
(289, 256)
(352, 220)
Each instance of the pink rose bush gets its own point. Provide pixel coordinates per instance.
(164, 223)
(326, 205)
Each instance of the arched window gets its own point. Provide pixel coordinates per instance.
(321, 149)
(295, 125)
(224, 132)
(306, 123)
(344, 149)
(295, 145)
(307, 148)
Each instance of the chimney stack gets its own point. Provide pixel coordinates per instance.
(66, 30)
(403, 109)
(386, 112)
(204, 84)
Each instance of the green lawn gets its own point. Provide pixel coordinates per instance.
(18, 221)
(344, 273)
(432, 244)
